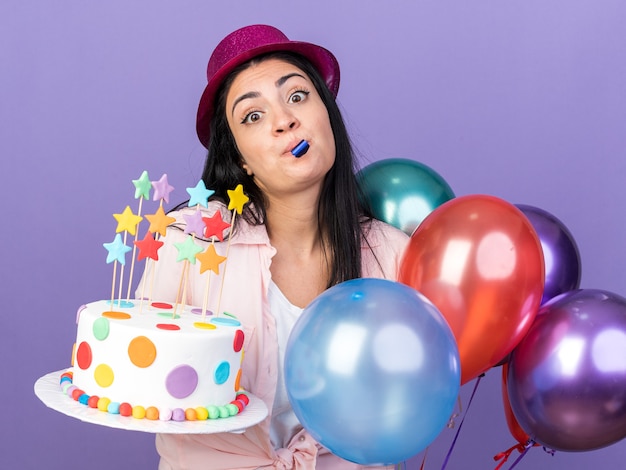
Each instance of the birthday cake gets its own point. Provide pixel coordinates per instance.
(152, 359)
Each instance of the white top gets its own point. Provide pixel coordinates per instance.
(284, 424)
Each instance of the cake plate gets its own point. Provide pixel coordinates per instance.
(48, 390)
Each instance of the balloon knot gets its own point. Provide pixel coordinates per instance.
(451, 423)
(549, 451)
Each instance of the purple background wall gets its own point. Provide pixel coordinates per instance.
(522, 100)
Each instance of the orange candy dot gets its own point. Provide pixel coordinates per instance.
(191, 415)
(238, 381)
(141, 351)
(152, 413)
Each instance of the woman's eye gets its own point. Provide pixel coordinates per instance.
(298, 96)
(249, 118)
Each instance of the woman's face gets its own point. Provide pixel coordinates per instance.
(270, 107)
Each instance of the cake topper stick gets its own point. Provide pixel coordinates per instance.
(194, 225)
(187, 251)
(210, 260)
(237, 200)
(116, 253)
(158, 227)
(158, 221)
(127, 222)
(142, 191)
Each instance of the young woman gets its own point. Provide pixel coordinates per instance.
(270, 122)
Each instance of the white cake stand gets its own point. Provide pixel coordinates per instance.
(48, 390)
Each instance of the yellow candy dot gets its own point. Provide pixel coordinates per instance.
(142, 351)
(103, 375)
(103, 404)
(202, 413)
(204, 326)
(139, 412)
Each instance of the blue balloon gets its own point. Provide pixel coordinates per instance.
(372, 371)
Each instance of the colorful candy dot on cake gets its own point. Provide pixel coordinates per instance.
(76, 393)
(66, 387)
(222, 372)
(165, 414)
(243, 397)
(101, 328)
(113, 408)
(69, 390)
(141, 351)
(202, 414)
(93, 401)
(83, 355)
(238, 380)
(224, 412)
(80, 309)
(239, 404)
(190, 414)
(152, 413)
(178, 414)
(213, 412)
(103, 403)
(83, 399)
(126, 409)
(139, 412)
(103, 375)
(232, 409)
(225, 321)
(238, 341)
(67, 375)
(181, 381)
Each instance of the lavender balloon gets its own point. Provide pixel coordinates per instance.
(567, 377)
(560, 252)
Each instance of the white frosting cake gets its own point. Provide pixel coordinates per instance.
(157, 357)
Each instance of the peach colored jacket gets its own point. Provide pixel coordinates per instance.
(244, 294)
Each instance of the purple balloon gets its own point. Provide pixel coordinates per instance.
(567, 377)
(560, 252)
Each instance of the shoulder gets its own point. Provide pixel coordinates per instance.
(382, 249)
(377, 233)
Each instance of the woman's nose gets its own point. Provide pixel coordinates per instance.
(285, 120)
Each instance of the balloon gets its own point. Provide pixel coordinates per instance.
(402, 192)
(372, 371)
(516, 431)
(560, 252)
(567, 377)
(478, 259)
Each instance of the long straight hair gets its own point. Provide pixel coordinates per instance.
(341, 212)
